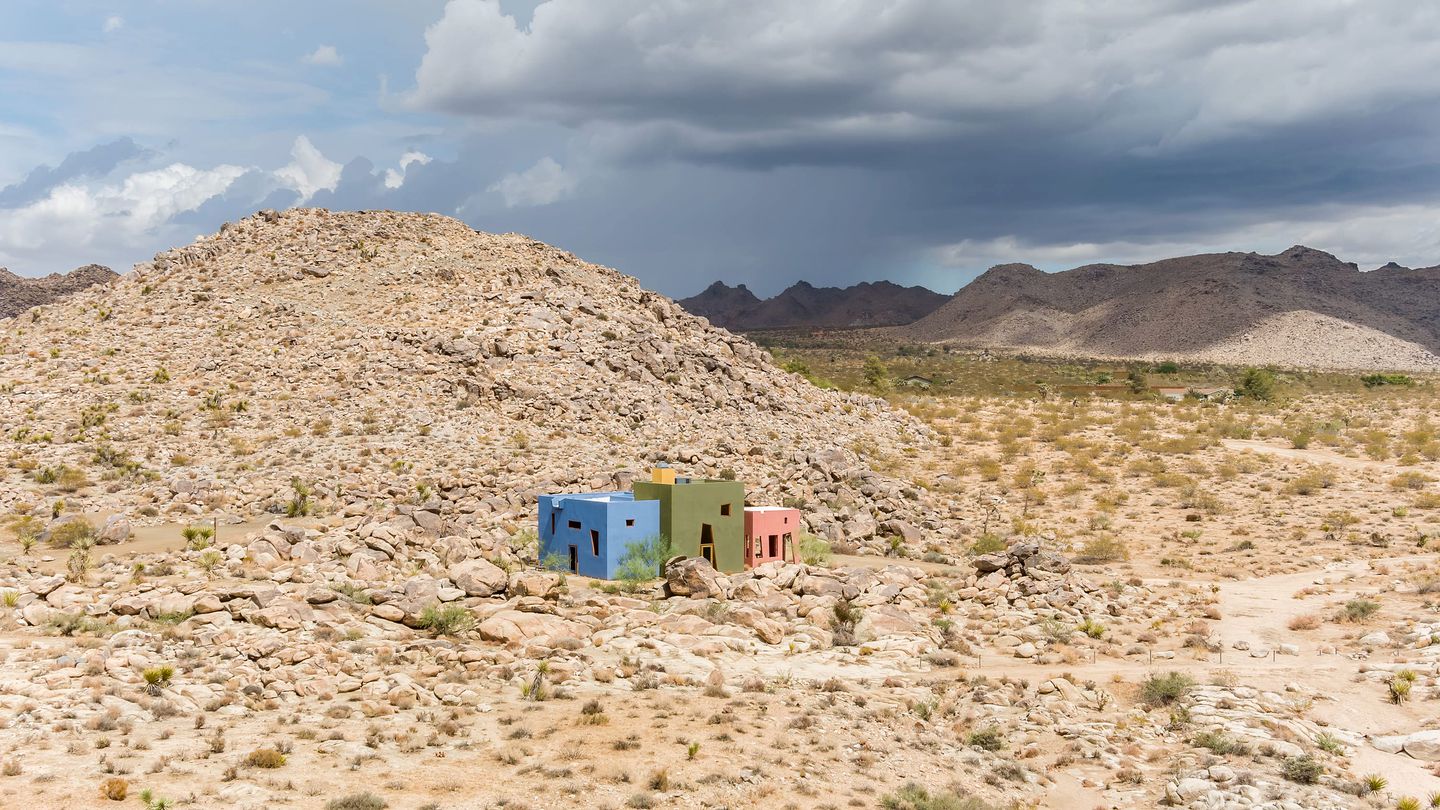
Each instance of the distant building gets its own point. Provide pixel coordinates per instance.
(916, 381)
(770, 534)
(589, 534)
(701, 517)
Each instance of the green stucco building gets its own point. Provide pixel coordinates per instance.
(701, 517)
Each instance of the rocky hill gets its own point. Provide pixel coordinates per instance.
(374, 356)
(18, 294)
(879, 303)
(1302, 307)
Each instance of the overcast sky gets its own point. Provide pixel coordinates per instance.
(755, 141)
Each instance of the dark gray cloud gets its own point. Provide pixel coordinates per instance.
(957, 129)
(97, 161)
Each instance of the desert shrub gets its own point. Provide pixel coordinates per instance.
(1307, 622)
(914, 797)
(988, 544)
(1378, 380)
(1411, 480)
(1102, 549)
(1302, 769)
(1358, 610)
(357, 801)
(1091, 628)
(115, 789)
(1310, 482)
(264, 758)
(72, 534)
(1329, 743)
(1219, 743)
(445, 620)
(1162, 690)
(813, 550)
(642, 560)
(987, 739)
(847, 615)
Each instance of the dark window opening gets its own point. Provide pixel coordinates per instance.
(574, 524)
(725, 510)
(552, 522)
(595, 542)
(630, 522)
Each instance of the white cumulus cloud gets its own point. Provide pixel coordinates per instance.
(325, 56)
(395, 178)
(310, 171)
(544, 183)
(113, 23)
(75, 216)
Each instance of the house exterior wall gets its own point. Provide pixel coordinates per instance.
(764, 523)
(606, 513)
(689, 504)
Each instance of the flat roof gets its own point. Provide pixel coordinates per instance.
(602, 497)
(771, 509)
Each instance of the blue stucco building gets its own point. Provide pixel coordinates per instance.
(588, 534)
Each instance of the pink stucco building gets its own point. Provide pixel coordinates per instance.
(771, 533)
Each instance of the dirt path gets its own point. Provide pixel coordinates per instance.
(1308, 455)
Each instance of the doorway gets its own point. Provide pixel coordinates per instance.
(574, 560)
(707, 543)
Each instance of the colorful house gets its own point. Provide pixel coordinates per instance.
(770, 533)
(701, 517)
(588, 534)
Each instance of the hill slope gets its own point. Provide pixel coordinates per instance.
(804, 305)
(377, 355)
(1301, 307)
(19, 294)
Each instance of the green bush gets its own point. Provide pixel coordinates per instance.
(445, 620)
(1304, 770)
(813, 550)
(1257, 384)
(1377, 380)
(1219, 743)
(1162, 690)
(1358, 610)
(988, 739)
(642, 560)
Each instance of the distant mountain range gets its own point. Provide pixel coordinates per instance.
(1302, 308)
(19, 294)
(804, 305)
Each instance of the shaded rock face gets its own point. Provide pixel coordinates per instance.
(1302, 307)
(19, 294)
(803, 305)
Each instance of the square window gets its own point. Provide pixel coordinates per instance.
(630, 522)
(724, 510)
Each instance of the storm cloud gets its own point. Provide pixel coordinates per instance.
(764, 142)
